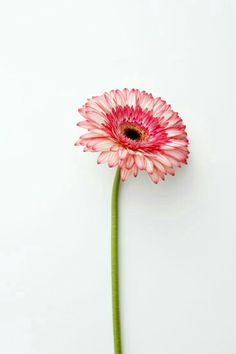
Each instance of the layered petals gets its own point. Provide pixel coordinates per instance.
(134, 131)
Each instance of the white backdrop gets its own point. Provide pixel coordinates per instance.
(178, 244)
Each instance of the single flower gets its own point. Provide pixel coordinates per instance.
(134, 131)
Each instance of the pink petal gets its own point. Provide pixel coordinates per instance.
(163, 159)
(129, 162)
(113, 159)
(124, 174)
(149, 165)
(155, 176)
(123, 153)
(139, 160)
(86, 125)
(103, 157)
(103, 145)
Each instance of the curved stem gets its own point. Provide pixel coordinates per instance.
(115, 263)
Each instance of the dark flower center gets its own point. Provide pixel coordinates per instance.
(132, 134)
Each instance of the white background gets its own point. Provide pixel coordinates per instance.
(177, 239)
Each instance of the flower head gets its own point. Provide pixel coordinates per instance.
(134, 131)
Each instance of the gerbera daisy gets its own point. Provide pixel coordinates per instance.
(134, 131)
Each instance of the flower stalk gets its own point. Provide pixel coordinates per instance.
(115, 263)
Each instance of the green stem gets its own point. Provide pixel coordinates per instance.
(115, 264)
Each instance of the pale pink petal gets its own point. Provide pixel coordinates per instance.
(170, 170)
(159, 166)
(149, 165)
(155, 176)
(140, 162)
(146, 101)
(77, 143)
(124, 174)
(115, 147)
(129, 162)
(103, 157)
(93, 135)
(135, 171)
(173, 132)
(158, 106)
(103, 145)
(87, 125)
(113, 159)
(179, 155)
(163, 159)
(94, 141)
(123, 153)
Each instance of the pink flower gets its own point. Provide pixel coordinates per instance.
(134, 131)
